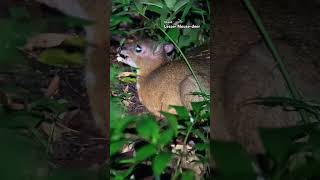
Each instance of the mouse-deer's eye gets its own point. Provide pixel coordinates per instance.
(138, 49)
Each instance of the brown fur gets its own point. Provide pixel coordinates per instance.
(243, 68)
(255, 74)
(162, 82)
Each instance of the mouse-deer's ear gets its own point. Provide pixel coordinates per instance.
(164, 48)
(168, 48)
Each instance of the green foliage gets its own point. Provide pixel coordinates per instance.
(156, 14)
(50, 105)
(156, 137)
(20, 25)
(150, 17)
(114, 72)
(160, 162)
(232, 160)
(24, 149)
(294, 151)
(187, 175)
(148, 130)
(13, 35)
(23, 146)
(75, 42)
(61, 58)
(22, 157)
(291, 152)
(288, 104)
(18, 119)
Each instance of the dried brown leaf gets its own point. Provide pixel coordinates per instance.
(126, 89)
(126, 74)
(46, 40)
(53, 86)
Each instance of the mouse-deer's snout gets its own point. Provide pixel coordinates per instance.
(119, 49)
(120, 52)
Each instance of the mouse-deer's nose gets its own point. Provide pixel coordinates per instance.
(120, 48)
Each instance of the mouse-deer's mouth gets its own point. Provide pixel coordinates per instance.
(124, 58)
(121, 57)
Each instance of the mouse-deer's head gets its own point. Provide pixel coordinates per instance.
(146, 55)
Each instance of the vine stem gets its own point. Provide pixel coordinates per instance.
(184, 144)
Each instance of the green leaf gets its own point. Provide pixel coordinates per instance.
(18, 119)
(172, 120)
(184, 41)
(278, 141)
(160, 162)
(194, 34)
(49, 104)
(188, 175)
(153, 3)
(13, 35)
(163, 17)
(232, 160)
(22, 157)
(128, 78)
(199, 134)
(78, 42)
(301, 166)
(182, 112)
(116, 129)
(138, 6)
(155, 9)
(186, 11)
(166, 137)
(120, 175)
(116, 146)
(114, 72)
(127, 161)
(148, 129)
(60, 58)
(198, 11)
(116, 20)
(145, 152)
(198, 106)
(179, 5)
(174, 34)
(117, 121)
(287, 103)
(201, 146)
(170, 3)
